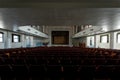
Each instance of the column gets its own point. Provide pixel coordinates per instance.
(95, 44)
(112, 40)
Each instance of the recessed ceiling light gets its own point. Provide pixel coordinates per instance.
(36, 32)
(28, 29)
(91, 29)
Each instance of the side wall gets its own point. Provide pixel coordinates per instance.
(112, 44)
(25, 40)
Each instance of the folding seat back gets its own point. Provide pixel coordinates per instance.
(53, 62)
(41, 61)
(87, 71)
(102, 72)
(2, 61)
(100, 61)
(111, 61)
(37, 70)
(65, 62)
(9, 61)
(68, 70)
(20, 70)
(89, 62)
(54, 70)
(19, 61)
(30, 60)
(5, 70)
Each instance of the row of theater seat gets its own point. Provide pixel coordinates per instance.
(59, 50)
(58, 70)
(60, 61)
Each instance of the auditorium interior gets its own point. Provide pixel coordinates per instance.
(59, 40)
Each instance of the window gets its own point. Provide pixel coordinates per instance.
(1, 37)
(118, 38)
(91, 40)
(104, 39)
(15, 38)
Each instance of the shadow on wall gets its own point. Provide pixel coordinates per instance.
(39, 44)
(82, 45)
(45, 43)
(28, 45)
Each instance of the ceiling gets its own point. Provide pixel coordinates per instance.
(60, 13)
(41, 3)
